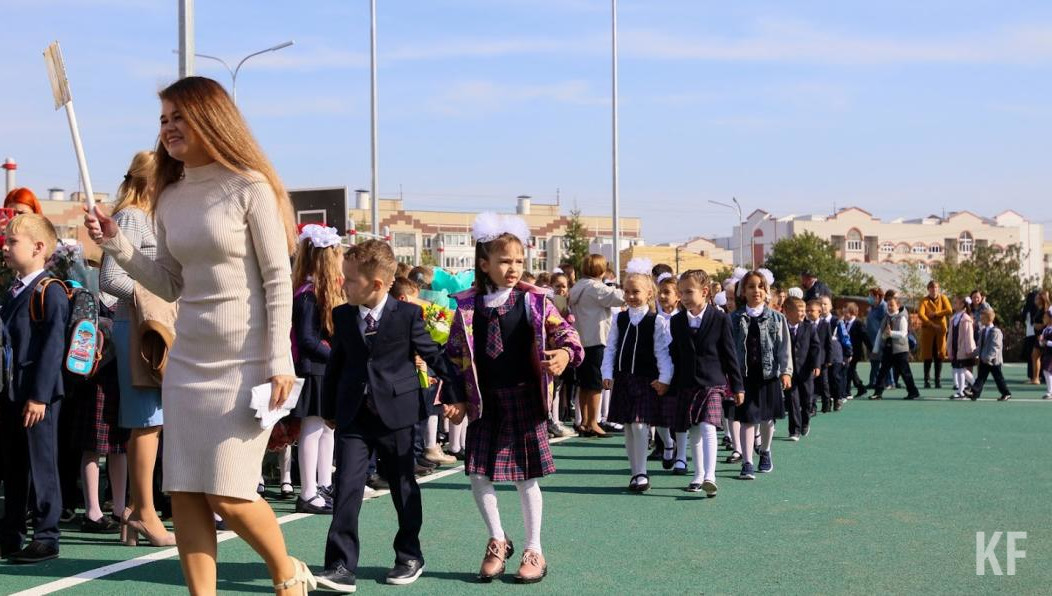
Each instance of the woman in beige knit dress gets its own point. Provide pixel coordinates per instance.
(224, 235)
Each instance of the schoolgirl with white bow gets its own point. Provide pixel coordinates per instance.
(502, 324)
(637, 368)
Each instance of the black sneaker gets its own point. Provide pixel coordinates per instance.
(805, 431)
(838, 405)
(733, 458)
(861, 392)
(912, 396)
(405, 573)
(1005, 397)
(766, 465)
(747, 472)
(337, 580)
(309, 507)
(34, 552)
(927, 384)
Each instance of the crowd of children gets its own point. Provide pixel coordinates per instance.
(397, 364)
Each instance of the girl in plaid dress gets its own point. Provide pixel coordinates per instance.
(509, 342)
(638, 368)
(705, 365)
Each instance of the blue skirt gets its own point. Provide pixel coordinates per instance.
(139, 407)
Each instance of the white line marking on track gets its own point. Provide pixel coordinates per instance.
(168, 553)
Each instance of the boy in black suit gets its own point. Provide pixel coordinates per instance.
(806, 366)
(372, 395)
(29, 407)
(821, 330)
(856, 331)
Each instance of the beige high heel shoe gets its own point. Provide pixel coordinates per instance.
(133, 528)
(303, 578)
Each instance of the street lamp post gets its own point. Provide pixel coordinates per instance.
(614, 127)
(741, 225)
(374, 120)
(233, 71)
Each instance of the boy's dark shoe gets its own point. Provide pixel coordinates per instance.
(34, 552)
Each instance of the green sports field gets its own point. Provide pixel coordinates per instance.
(882, 497)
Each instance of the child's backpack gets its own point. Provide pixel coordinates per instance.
(86, 344)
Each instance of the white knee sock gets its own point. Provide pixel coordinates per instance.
(1048, 381)
(665, 435)
(681, 446)
(456, 436)
(958, 380)
(703, 446)
(486, 499)
(532, 508)
(325, 454)
(431, 438)
(736, 436)
(286, 465)
(767, 434)
(968, 377)
(577, 418)
(747, 439)
(604, 405)
(553, 413)
(638, 433)
(310, 438)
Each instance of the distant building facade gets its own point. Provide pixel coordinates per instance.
(859, 237)
(444, 237)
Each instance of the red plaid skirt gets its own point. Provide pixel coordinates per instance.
(634, 400)
(695, 405)
(98, 400)
(510, 441)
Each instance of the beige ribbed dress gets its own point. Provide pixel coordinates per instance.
(221, 252)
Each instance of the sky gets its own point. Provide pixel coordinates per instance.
(903, 108)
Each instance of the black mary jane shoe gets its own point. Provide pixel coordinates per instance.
(635, 486)
(104, 525)
(667, 462)
(677, 471)
(287, 490)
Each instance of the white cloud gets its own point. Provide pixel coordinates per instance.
(793, 41)
(486, 96)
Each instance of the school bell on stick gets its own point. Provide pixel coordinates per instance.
(56, 72)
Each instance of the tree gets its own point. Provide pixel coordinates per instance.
(427, 258)
(992, 270)
(911, 283)
(576, 240)
(806, 252)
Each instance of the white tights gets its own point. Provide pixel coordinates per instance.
(431, 438)
(457, 434)
(529, 499)
(315, 449)
(703, 447)
(962, 377)
(747, 438)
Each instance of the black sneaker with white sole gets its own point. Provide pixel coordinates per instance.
(405, 573)
(337, 580)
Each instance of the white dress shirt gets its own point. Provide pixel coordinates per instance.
(377, 311)
(25, 282)
(694, 321)
(662, 339)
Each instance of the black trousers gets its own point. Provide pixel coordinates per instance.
(1029, 342)
(31, 461)
(799, 402)
(853, 378)
(832, 385)
(901, 364)
(986, 370)
(354, 448)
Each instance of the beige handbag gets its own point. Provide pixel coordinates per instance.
(152, 337)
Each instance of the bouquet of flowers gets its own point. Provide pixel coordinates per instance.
(437, 320)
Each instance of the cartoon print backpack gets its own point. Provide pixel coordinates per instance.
(86, 345)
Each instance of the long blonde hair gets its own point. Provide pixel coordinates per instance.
(212, 115)
(322, 267)
(134, 191)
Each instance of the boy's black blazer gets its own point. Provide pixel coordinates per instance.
(704, 362)
(859, 338)
(807, 352)
(387, 366)
(38, 348)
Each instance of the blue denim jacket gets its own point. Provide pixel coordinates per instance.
(775, 345)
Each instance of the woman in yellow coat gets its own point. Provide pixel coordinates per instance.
(934, 313)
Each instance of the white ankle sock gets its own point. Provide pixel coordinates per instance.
(703, 444)
(486, 499)
(532, 508)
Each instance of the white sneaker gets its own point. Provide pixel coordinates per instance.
(1047, 396)
(370, 493)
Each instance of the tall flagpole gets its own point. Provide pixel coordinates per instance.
(616, 182)
(374, 195)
